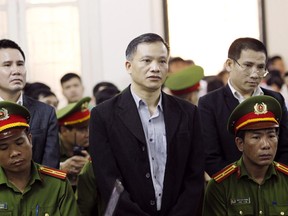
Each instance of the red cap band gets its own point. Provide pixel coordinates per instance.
(186, 90)
(252, 118)
(75, 118)
(13, 121)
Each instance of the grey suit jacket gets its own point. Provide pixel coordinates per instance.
(118, 149)
(44, 130)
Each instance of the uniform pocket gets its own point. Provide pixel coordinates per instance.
(45, 211)
(242, 209)
(6, 213)
(278, 210)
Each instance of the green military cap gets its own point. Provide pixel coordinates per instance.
(74, 113)
(13, 116)
(185, 81)
(257, 112)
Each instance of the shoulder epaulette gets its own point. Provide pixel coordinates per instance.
(224, 173)
(53, 172)
(281, 167)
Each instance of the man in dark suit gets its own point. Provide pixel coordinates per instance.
(43, 124)
(149, 140)
(247, 59)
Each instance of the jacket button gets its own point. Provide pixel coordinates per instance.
(143, 148)
(152, 202)
(147, 175)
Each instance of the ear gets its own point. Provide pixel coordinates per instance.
(30, 138)
(63, 129)
(239, 143)
(128, 66)
(228, 64)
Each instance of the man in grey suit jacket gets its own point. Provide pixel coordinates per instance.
(247, 59)
(149, 140)
(43, 123)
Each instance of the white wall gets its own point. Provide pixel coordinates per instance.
(112, 24)
(277, 28)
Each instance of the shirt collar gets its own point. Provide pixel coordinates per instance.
(242, 172)
(19, 101)
(239, 97)
(35, 176)
(138, 100)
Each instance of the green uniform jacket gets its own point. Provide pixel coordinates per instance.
(45, 195)
(86, 192)
(235, 193)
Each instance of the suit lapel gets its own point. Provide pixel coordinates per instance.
(129, 115)
(172, 117)
(229, 99)
(28, 104)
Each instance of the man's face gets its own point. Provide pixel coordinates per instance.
(50, 100)
(148, 68)
(73, 90)
(12, 71)
(243, 73)
(16, 152)
(258, 147)
(77, 135)
(279, 65)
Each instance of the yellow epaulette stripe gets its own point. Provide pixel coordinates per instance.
(282, 168)
(53, 172)
(225, 173)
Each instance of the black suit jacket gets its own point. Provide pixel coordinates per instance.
(44, 130)
(118, 149)
(220, 148)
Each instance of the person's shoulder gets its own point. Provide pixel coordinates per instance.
(52, 172)
(30, 103)
(281, 167)
(225, 173)
(175, 99)
(272, 93)
(214, 94)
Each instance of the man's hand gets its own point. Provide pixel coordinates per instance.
(74, 164)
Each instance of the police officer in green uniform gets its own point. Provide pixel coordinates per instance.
(73, 121)
(255, 184)
(86, 194)
(186, 83)
(27, 188)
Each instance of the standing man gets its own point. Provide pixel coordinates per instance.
(149, 140)
(72, 87)
(27, 188)
(254, 184)
(247, 59)
(43, 123)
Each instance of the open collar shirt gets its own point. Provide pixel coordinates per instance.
(155, 134)
(240, 97)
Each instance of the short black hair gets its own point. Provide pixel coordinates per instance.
(31, 88)
(240, 44)
(6, 43)
(144, 38)
(105, 94)
(101, 85)
(69, 76)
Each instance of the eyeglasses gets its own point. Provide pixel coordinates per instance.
(248, 69)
